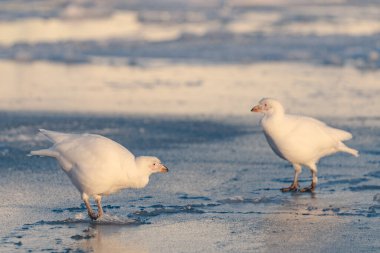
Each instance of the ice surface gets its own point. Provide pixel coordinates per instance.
(221, 195)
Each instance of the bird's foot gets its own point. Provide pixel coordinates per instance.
(90, 212)
(308, 189)
(291, 188)
(93, 216)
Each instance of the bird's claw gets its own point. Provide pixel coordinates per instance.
(311, 188)
(291, 188)
(93, 216)
(307, 189)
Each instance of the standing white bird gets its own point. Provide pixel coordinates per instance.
(300, 140)
(98, 166)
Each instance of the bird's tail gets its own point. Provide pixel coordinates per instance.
(344, 148)
(43, 152)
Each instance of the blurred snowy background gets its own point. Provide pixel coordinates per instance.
(190, 57)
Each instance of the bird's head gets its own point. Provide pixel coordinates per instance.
(150, 164)
(268, 106)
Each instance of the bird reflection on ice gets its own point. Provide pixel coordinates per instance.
(76, 234)
(107, 238)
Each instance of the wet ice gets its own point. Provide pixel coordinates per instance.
(230, 192)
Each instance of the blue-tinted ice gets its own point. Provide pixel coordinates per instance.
(221, 195)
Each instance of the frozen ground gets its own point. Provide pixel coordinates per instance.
(221, 195)
(177, 79)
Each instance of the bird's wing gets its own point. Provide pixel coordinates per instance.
(56, 137)
(340, 135)
(320, 127)
(89, 151)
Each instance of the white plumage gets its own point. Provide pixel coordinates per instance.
(300, 140)
(98, 166)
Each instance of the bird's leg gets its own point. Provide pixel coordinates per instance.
(294, 186)
(91, 213)
(98, 200)
(313, 169)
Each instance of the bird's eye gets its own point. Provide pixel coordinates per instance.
(265, 104)
(154, 164)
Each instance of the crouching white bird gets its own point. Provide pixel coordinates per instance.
(98, 166)
(300, 140)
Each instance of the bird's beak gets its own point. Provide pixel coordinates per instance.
(164, 169)
(256, 108)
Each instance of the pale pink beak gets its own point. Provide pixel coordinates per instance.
(256, 108)
(164, 169)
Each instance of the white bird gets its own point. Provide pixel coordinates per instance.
(300, 140)
(98, 166)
